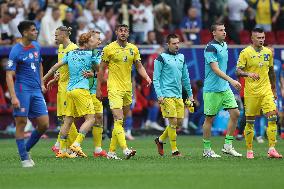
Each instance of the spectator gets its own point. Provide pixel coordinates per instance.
(82, 26)
(124, 16)
(48, 27)
(216, 11)
(163, 16)
(38, 18)
(100, 24)
(267, 12)
(88, 10)
(280, 20)
(70, 22)
(151, 38)
(190, 27)
(149, 24)
(177, 8)
(236, 8)
(33, 9)
(6, 35)
(138, 22)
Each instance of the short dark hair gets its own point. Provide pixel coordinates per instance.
(121, 26)
(258, 30)
(25, 25)
(214, 26)
(171, 36)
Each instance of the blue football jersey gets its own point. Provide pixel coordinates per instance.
(26, 61)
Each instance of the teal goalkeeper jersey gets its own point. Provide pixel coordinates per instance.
(93, 81)
(78, 61)
(170, 74)
(215, 52)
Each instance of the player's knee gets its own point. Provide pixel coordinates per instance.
(99, 119)
(235, 114)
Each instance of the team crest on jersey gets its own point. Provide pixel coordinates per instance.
(125, 59)
(266, 57)
(36, 54)
(131, 52)
(31, 56)
(10, 63)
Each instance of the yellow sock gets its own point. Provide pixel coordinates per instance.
(72, 134)
(249, 133)
(113, 142)
(97, 135)
(165, 134)
(271, 133)
(119, 133)
(63, 144)
(79, 139)
(172, 131)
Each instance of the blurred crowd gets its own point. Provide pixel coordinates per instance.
(185, 17)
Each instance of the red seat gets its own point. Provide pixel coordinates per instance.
(179, 33)
(270, 38)
(244, 36)
(280, 37)
(205, 36)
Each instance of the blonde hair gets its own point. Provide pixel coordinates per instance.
(66, 30)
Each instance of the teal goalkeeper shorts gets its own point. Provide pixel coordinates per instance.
(215, 101)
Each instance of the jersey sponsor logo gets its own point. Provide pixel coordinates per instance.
(266, 57)
(125, 59)
(31, 56)
(25, 58)
(36, 54)
(131, 52)
(10, 63)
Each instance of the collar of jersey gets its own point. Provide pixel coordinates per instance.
(171, 53)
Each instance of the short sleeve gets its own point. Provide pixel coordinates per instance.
(210, 54)
(65, 58)
(242, 61)
(105, 55)
(12, 62)
(136, 55)
(96, 59)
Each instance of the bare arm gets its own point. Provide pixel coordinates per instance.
(41, 78)
(217, 71)
(272, 79)
(241, 73)
(10, 83)
(141, 70)
(52, 71)
(100, 78)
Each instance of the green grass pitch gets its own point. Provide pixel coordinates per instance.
(147, 170)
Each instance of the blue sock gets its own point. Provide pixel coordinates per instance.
(22, 149)
(257, 127)
(128, 123)
(153, 113)
(33, 140)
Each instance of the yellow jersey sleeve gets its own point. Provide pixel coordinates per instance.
(271, 60)
(136, 55)
(105, 54)
(242, 61)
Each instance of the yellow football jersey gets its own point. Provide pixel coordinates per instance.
(256, 62)
(63, 70)
(120, 60)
